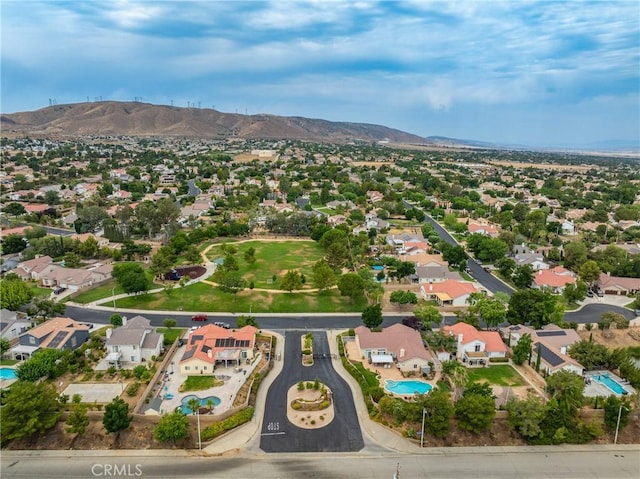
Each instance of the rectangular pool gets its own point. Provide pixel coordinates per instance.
(7, 373)
(611, 383)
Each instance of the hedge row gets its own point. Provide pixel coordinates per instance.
(231, 422)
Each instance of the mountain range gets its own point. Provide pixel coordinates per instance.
(111, 118)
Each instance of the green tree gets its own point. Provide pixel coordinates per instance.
(172, 427)
(14, 292)
(575, 254)
(131, 277)
(44, 363)
(116, 416)
(506, 266)
(403, 297)
(531, 306)
(250, 255)
(427, 313)
(439, 410)
(169, 323)
(456, 374)
(5, 345)
(522, 350)
(475, 413)
(15, 209)
(42, 308)
(230, 282)
(614, 406)
(162, 261)
(78, 420)
(351, 285)
(567, 388)
(589, 354)
(30, 408)
(492, 311)
(523, 276)
(573, 293)
(456, 256)
(526, 415)
(116, 320)
(13, 243)
(247, 321)
(372, 316)
(589, 272)
(323, 275)
(291, 280)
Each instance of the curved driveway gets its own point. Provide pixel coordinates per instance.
(279, 435)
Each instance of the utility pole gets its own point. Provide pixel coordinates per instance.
(424, 413)
(615, 439)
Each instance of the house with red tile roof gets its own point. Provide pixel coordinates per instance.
(398, 343)
(476, 347)
(483, 228)
(554, 279)
(449, 292)
(35, 268)
(210, 345)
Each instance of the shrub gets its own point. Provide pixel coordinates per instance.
(99, 375)
(296, 405)
(133, 389)
(231, 422)
(139, 370)
(111, 370)
(498, 360)
(126, 373)
(309, 385)
(300, 386)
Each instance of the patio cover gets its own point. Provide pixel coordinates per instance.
(114, 356)
(24, 349)
(381, 358)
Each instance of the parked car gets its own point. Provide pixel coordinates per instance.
(222, 325)
(59, 290)
(414, 323)
(589, 293)
(199, 317)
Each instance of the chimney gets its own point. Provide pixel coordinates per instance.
(124, 321)
(109, 333)
(210, 354)
(563, 350)
(402, 352)
(430, 286)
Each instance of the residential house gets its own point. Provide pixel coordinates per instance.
(57, 333)
(375, 196)
(618, 285)
(398, 343)
(133, 343)
(476, 347)
(483, 228)
(448, 293)
(100, 240)
(335, 220)
(533, 259)
(210, 345)
(34, 268)
(76, 279)
(551, 343)
(434, 273)
(554, 279)
(12, 326)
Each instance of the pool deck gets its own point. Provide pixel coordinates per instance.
(595, 388)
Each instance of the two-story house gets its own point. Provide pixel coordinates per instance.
(57, 333)
(134, 342)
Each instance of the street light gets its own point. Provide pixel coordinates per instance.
(199, 437)
(424, 413)
(113, 297)
(615, 439)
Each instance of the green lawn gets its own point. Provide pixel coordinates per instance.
(198, 383)
(170, 335)
(503, 375)
(274, 258)
(106, 290)
(202, 297)
(8, 362)
(38, 291)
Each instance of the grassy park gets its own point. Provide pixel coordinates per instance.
(273, 258)
(202, 297)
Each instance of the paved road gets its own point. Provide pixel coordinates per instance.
(566, 462)
(487, 280)
(279, 435)
(193, 189)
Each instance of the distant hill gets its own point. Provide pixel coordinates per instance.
(143, 119)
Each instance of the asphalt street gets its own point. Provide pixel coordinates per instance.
(561, 462)
(279, 435)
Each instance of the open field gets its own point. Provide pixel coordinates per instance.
(274, 258)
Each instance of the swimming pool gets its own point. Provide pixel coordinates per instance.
(378, 268)
(7, 373)
(408, 387)
(203, 402)
(611, 383)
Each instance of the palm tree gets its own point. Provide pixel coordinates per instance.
(194, 405)
(456, 373)
(210, 404)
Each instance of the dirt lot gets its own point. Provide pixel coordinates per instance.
(614, 338)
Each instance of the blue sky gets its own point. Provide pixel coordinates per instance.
(541, 73)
